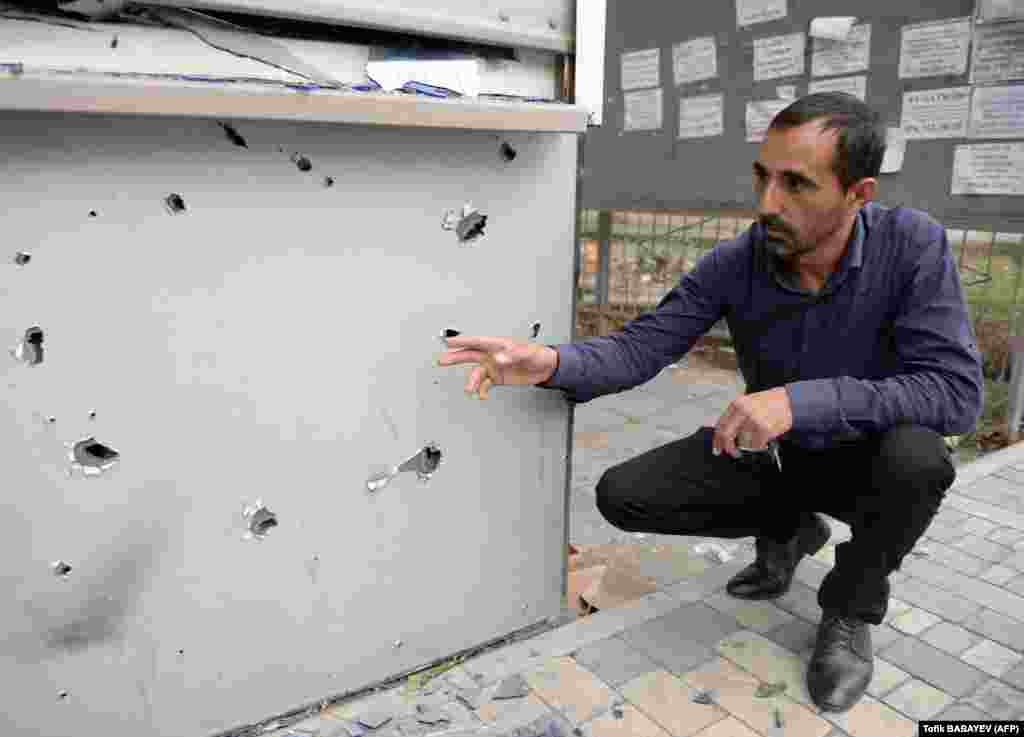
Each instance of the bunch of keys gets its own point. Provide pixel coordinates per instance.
(772, 449)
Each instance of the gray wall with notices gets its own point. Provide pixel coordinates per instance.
(638, 161)
(213, 349)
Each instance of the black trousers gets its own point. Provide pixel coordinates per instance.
(887, 487)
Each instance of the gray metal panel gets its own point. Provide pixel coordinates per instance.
(657, 171)
(277, 340)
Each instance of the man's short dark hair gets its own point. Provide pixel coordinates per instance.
(861, 141)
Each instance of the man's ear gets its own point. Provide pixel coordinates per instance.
(863, 191)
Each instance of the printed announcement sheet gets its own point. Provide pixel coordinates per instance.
(640, 69)
(779, 56)
(935, 48)
(749, 12)
(936, 113)
(701, 116)
(842, 57)
(695, 60)
(989, 168)
(643, 110)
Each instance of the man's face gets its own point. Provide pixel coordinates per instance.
(801, 202)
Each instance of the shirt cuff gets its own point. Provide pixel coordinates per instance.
(568, 366)
(815, 405)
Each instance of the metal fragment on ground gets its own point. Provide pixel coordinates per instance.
(233, 135)
(513, 687)
(704, 696)
(713, 551)
(767, 690)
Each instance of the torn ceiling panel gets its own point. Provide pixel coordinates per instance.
(234, 40)
(45, 43)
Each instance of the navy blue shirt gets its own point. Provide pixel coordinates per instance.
(887, 340)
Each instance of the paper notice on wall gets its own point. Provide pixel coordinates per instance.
(1000, 9)
(643, 110)
(856, 86)
(842, 57)
(895, 150)
(701, 116)
(759, 117)
(935, 48)
(989, 168)
(997, 112)
(835, 27)
(998, 54)
(749, 12)
(936, 113)
(641, 69)
(695, 60)
(779, 56)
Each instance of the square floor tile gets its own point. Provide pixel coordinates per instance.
(998, 700)
(729, 727)
(626, 721)
(999, 574)
(570, 688)
(666, 699)
(886, 678)
(760, 616)
(683, 638)
(949, 637)
(736, 692)
(914, 621)
(918, 700)
(614, 661)
(940, 669)
(871, 718)
(991, 657)
(768, 661)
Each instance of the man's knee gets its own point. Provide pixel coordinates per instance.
(914, 457)
(613, 498)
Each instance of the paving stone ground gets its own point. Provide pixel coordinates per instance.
(952, 645)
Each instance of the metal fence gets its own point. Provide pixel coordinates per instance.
(629, 260)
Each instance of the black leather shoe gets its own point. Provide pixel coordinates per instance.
(842, 664)
(771, 573)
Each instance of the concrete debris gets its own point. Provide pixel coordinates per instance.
(713, 551)
(431, 716)
(374, 720)
(513, 687)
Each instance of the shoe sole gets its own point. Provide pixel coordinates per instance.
(817, 543)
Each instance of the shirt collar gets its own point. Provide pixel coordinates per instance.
(853, 256)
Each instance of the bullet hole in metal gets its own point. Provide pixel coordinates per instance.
(534, 330)
(468, 226)
(113, 42)
(398, 644)
(92, 213)
(62, 695)
(503, 17)
(60, 569)
(92, 457)
(174, 204)
(259, 520)
(553, 24)
(234, 136)
(507, 152)
(181, 652)
(30, 350)
(21, 258)
(302, 162)
(328, 181)
(92, 414)
(51, 419)
(425, 463)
